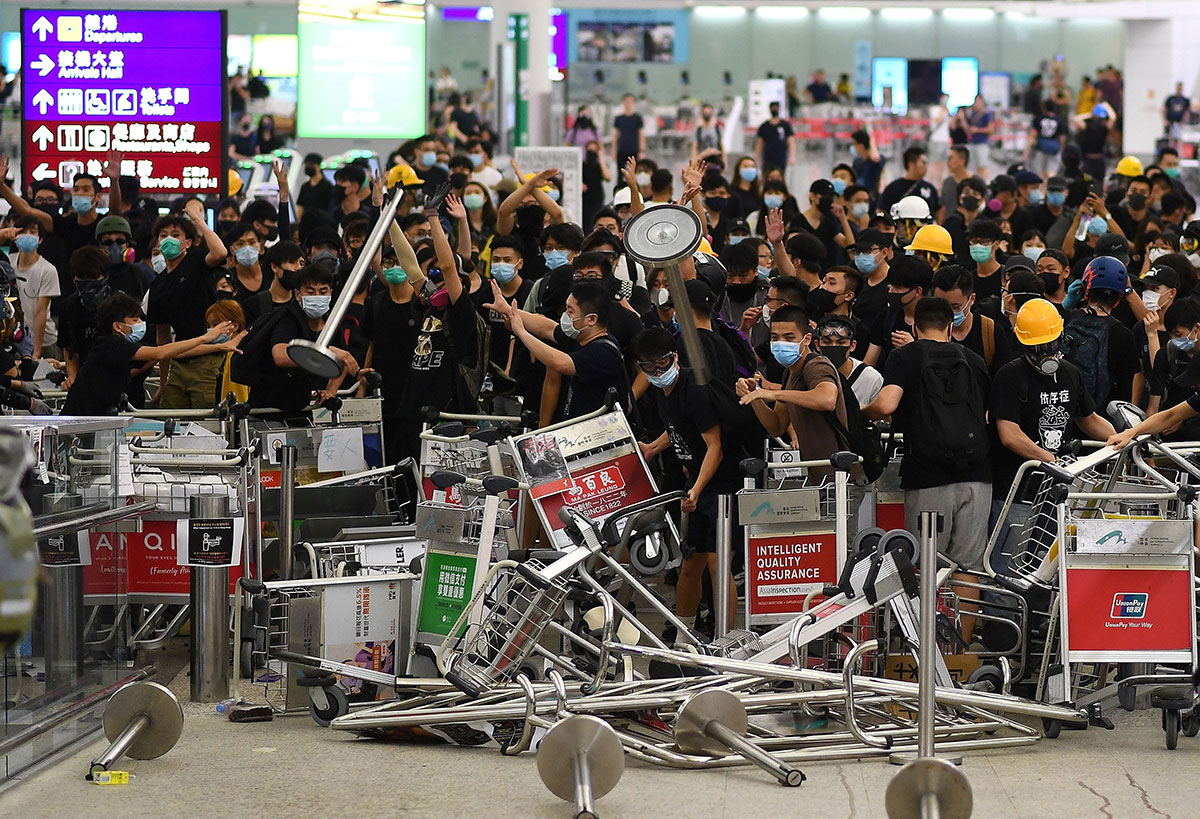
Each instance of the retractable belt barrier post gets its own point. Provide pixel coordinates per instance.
(63, 611)
(210, 661)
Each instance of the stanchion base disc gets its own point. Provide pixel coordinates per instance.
(588, 739)
(314, 358)
(905, 757)
(156, 702)
(929, 775)
(661, 235)
(701, 709)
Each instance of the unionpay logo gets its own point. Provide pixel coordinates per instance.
(1129, 605)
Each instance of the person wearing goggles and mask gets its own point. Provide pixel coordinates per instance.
(835, 341)
(1039, 404)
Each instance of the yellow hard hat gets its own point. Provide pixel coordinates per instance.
(1129, 166)
(706, 248)
(547, 187)
(403, 175)
(934, 238)
(235, 183)
(1038, 322)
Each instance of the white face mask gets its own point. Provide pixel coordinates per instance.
(1150, 299)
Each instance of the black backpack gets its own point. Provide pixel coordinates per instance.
(1085, 340)
(948, 426)
(859, 435)
(254, 359)
(744, 361)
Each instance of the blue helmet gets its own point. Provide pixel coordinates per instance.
(1106, 273)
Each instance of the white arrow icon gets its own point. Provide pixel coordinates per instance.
(42, 136)
(42, 100)
(41, 28)
(43, 64)
(43, 172)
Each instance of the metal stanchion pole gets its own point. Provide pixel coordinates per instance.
(287, 508)
(724, 564)
(931, 523)
(62, 624)
(210, 661)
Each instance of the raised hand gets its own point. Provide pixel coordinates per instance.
(455, 207)
(774, 226)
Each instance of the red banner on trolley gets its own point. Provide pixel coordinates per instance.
(142, 563)
(781, 570)
(1129, 609)
(598, 491)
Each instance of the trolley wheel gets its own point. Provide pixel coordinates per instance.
(338, 706)
(246, 659)
(1051, 728)
(1171, 727)
(986, 678)
(1191, 725)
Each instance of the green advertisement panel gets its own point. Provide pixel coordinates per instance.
(445, 590)
(361, 79)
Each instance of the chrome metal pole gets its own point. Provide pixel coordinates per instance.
(784, 774)
(585, 805)
(62, 612)
(930, 524)
(721, 584)
(687, 323)
(210, 660)
(121, 744)
(287, 509)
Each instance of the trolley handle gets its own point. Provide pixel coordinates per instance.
(444, 479)
(611, 534)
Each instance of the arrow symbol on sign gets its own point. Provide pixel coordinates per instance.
(42, 136)
(42, 100)
(43, 64)
(41, 28)
(43, 171)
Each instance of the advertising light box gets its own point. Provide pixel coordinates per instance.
(96, 82)
(361, 79)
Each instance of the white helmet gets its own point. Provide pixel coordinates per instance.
(624, 197)
(911, 207)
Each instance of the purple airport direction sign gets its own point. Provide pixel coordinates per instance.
(149, 84)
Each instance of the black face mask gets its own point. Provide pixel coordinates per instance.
(895, 301)
(339, 193)
(969, 203)
(1137, 201)
(836, 355)
(592, 158)
(50, 208)
(92, 292)
(272, 234)
(741, 292)
(225, 225)
(716, 203)
(825, 204)
(458, 180)
(1053, 285)
(821, 300)
(311, 170)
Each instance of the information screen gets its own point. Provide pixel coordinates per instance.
(362, 79)
(960, 80)
(96, 82)
(889, 84)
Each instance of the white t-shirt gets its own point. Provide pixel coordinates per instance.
(867, 382)
(939, 124)
(485, 175)
(38, 280)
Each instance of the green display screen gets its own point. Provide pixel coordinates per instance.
(361, 79)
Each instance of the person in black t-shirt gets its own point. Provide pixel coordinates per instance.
(317, 190)
(910, 278)
(775, 144)
(463, 122)
(913, 183)
(706, 450)
(1038, 400)
(77, 328)
(977, 332)
(628, 136)
(104, 376)
(425, 164)
(506, 267)
(179, 297)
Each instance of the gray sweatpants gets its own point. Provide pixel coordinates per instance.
(965, 507)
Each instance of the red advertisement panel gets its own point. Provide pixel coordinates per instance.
(1129, 609)
(598, 492)
(782, 569)
(140, 563)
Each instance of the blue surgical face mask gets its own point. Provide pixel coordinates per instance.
(764, 272)
(27, 243)
(773, 200)
(503, 272)
(859, 209)
(663, 380)
(1097, 226)
(314, 306)
(81, 204)
(981, 253)
(866, 262)
(1183, 345)
(839, 186)
(136, 332)
(221, 339)
(1036, 197)
(556, 259)
(476, 159)
(555, 195)
(733, 240)
(1056, 199)
(748, 173)
(786, 353)
(247, 256)
(428, 159)
(473, 201)
(959, 318)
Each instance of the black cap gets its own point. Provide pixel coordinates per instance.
(821, 187)
(872, 238)
(1025, 177)
(700, 295)
(1113, 244)
(1004, 182)
(1019, 262)
(740, 224)
(1161, 274)
(1057, 183)
(322, 236)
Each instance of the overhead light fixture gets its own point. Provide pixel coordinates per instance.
(844, 13)
(968, 15)
(781, 12)
(910, 14)
(722, 12)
